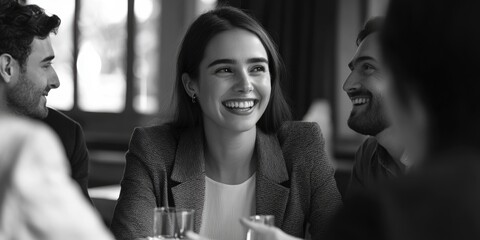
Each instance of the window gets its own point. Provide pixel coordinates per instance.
(114, 60)
(101, 62)
(147, 52)
(101, 65)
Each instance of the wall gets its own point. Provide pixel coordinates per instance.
(349, 24)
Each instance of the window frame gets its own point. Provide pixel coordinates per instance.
(112, 130)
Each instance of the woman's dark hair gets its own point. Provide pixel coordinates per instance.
(20, 24)
(192, 49)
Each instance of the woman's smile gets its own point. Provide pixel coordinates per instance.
(240, 106)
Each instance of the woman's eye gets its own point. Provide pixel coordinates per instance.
(258, 69)
(223, 70)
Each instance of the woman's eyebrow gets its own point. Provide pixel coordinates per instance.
(231, 61)
(222, 61)
(257, 60)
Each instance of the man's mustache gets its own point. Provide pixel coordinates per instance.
(360, 93)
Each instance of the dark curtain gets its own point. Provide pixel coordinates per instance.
(304, 31)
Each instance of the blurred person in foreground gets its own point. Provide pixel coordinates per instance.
(27, 54)
(231, 151)
(38, 199)
(432, 51)
(380, 158)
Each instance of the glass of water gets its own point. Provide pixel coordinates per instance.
(268, 220)
(172, 223)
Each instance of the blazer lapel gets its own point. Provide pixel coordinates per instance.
(271, 196)
(189, 171)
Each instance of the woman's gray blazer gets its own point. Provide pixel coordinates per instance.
(165, 166)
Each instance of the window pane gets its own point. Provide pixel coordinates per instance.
(205, 5)
(62, 97)
(101, 58)
(147, 52)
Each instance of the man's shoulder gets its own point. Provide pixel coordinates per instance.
(370, 142)
(58, 120)
(367, 148)
(364, 156)
(69, 131)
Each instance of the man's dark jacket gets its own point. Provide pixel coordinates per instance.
(73, 140)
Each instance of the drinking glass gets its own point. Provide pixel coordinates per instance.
(268, 220)
(172, 223)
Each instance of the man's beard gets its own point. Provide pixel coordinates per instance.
(24, 99)
(369, 121)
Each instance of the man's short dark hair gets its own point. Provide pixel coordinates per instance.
(371, 26)
(20, 24)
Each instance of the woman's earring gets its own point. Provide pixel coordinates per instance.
(194, 98)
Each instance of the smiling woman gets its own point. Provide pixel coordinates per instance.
(231, 151)
(233, 86)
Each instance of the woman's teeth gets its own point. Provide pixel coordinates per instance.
(239, 104)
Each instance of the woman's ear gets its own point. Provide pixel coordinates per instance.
(7, 64)
(190, 85)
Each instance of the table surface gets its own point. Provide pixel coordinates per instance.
(110, 192)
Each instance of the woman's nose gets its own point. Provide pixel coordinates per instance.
(244, 83)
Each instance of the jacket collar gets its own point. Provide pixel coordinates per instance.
(271, 196)
(270, 162)
(190, 162)
(189, 172)
(189, 158)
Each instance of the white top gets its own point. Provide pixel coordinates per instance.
(39, 199)
(224, 206)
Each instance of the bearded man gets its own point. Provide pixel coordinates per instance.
(379, 158)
